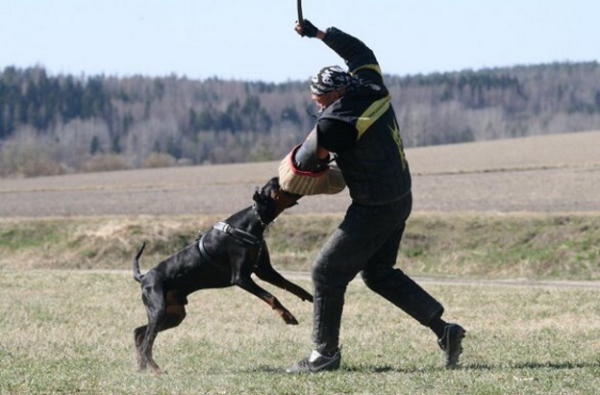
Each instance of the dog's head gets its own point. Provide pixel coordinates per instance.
(271, 200)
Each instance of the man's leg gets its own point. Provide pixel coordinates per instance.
(341, 259)
(395, 286)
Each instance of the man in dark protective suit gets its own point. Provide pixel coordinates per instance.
(357, 123)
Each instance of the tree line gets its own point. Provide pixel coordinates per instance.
(65, 123)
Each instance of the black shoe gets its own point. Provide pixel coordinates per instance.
(316, 362)
(451, 344)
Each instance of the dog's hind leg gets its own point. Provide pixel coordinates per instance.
(154, 300)
(164, 312)
(175, 311)
(138, 336)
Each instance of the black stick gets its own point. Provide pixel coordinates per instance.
(300, 17)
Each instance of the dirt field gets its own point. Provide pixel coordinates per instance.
(558, 173)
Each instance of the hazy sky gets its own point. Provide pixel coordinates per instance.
(255, 40)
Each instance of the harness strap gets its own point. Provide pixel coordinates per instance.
(205, 253)
(208, 258)
(237, 233)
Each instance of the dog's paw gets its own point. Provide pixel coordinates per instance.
(289, 319)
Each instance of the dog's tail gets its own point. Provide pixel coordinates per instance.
(137, 275)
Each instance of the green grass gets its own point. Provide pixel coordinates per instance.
(70, 332)
(536, 246)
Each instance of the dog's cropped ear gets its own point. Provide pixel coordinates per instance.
(256, 197)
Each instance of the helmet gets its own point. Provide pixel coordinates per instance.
(329, 79)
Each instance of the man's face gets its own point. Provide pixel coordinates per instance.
(323, 101)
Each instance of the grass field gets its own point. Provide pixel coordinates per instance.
(474, 246)
(498, 228)
(70, 332)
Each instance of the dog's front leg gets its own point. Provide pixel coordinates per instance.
(247, 284)
(289, 286)
(265, 271)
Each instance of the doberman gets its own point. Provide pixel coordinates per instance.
(225, 256)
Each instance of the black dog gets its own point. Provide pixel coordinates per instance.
(226, 255)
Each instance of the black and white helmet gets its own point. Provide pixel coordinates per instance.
(329, 79)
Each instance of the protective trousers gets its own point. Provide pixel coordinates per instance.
(366, 242)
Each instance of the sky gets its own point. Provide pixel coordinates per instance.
(254, 40)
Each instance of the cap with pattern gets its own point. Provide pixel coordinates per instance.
(329, 79)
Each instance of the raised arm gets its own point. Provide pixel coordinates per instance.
(355, 53)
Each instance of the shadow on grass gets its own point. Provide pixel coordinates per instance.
(476, 366)
(555, 365)
(559, 365)
(352, 369)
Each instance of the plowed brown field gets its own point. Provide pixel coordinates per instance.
(557, 173)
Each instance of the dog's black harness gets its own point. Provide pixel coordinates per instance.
(205, 253)
(238, 234)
